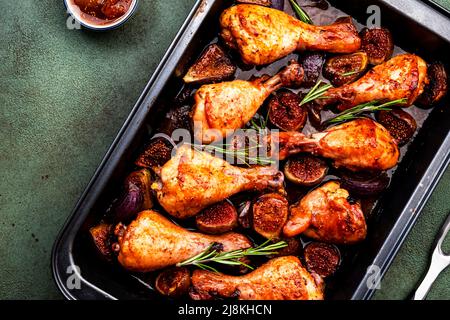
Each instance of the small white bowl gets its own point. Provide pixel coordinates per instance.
(75, 12)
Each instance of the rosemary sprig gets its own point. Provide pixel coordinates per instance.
(260, 127)
(301, 14)
(368, 107)
(211, 255)
(317, 92)
(244, 155)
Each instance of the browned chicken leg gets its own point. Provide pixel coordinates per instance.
(193, 180)
(152, 242)
(404, 76)
(326, 214)
(279, 279)
(224, 107)
(264, 35)
(359, 145)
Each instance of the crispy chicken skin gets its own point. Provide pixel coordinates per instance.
(193, 180)
(279, 279)
(326, 214)
(227, 106)
(264, 35)
(358, 145)
(404, 76)
(152, 242)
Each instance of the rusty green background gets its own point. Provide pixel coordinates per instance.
(64, 95)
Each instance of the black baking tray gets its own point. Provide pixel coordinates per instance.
(417, 28)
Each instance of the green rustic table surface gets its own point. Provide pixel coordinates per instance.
(64, 94)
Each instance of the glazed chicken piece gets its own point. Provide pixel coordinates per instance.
(279, 279)
(358, 145)
(224, 107)
(152, 242)
(404, 76)
(264, 35)
(193, 180)
(326, 215)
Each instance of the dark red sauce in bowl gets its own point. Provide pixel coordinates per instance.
(101, 14)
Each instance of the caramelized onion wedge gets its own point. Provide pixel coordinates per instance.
(305, 170)
(365, 185)
(312, 64)
(345, 69)
(322, 259)
(244, 213)
(174, 282)
(437, 89)
(136, 196)
(286, 113)
(378, 44)
(400, 124)
(219, 218)
(213, 65)
(270, 213)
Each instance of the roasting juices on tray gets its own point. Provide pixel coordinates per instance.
(213, 227)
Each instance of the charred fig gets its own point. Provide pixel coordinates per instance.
(378, 44)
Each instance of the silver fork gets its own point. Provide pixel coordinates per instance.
(439, 262)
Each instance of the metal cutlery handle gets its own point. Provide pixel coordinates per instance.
(439, 262)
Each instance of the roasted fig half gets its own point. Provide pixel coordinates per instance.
(101, 238)
(305, 170)
(312, 64)
(270, 214)
(344, 69)
(378, 44)
(136, 196)
(437, 89)
(265, 3)
(286, 113)
(322, 259)
(213, 65)
(155, 154)
(400, 124)
(365, 184)
(174, 282)
(219, 218)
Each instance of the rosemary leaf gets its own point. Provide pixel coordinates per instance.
(369, 107)
(301, 14)
(350, 73)
(317, 92)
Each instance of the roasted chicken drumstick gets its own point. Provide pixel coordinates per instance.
(263, 35)
(193, 180)
(152, 242)
(358, 145)
(402, 77)
(326, 214)
(224, 107)
(279, 279)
